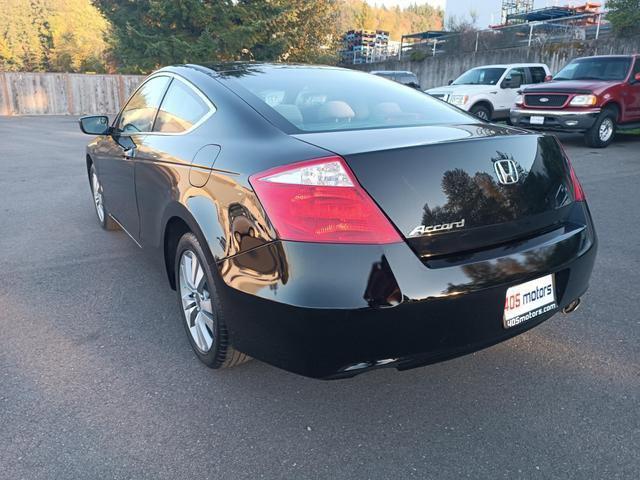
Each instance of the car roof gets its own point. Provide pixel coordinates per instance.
(511, 65)
(631, 55)
(229, 68)
(405, 72)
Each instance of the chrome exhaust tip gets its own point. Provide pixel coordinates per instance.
(572, 307)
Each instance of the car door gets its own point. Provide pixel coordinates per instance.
(117, 152)
(508, 88)
(163, 164)
(632, 97)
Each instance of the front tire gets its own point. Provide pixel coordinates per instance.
(603, 131)
(106, 222)
(202, 315)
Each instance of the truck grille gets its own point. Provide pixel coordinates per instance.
(545, 100)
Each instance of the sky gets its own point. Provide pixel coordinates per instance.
(488, 10)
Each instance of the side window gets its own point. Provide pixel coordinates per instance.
(407, 79)
(537, 74)
(139, 113)
(388, 76)
(181, 109)
(515, 77)
(636, 68)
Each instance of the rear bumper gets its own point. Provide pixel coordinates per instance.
(331, 311)
(556, 120)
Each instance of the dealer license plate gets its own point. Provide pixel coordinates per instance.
(529, 300)
(536, 120)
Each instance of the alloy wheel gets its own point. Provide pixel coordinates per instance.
(97, 196)
(196, 301)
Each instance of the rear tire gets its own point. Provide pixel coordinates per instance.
(482, 112)
(202, 313)
(603, 131)
(105, 220)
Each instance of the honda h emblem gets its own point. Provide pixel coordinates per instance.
(507, 171)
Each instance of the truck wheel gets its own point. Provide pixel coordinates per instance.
(482, 112)
(603, 130)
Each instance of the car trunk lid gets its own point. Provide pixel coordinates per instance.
(445, 190)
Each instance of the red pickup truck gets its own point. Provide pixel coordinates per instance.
(592, 95)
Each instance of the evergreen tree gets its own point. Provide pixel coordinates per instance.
(624, 16)
(141, 35)
(152, 33)
(292, 30)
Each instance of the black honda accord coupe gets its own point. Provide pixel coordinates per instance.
(330, 222)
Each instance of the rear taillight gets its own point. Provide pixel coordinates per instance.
(321, 201)
(578, 192)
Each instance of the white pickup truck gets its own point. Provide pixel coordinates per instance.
(490, 91)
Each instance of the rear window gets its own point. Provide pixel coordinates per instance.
(538, 74)
(390, 75)
(329, 99)
(406, 78)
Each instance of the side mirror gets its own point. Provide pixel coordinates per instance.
(636, 78)
(449, 82)
(95, 125)
(548, 78)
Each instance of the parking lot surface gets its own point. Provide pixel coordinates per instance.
(97, 378)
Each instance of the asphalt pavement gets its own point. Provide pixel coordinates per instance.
(98, 381)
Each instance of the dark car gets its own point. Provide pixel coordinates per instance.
(591, 95)
(401, 76)
(328, 222)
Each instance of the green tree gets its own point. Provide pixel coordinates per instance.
(357, 14)
(149, 33)
(20, 30)
(77, 31)
(57, 35)
(152, 33)
(292, 30)
(624, 16)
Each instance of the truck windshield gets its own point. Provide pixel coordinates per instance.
(480, 76)
(598, 68)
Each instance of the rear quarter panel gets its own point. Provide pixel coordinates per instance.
(225, 210)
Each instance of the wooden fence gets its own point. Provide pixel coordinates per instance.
(63, 93)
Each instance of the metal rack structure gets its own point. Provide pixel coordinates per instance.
(365, 46)
(511, 8)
